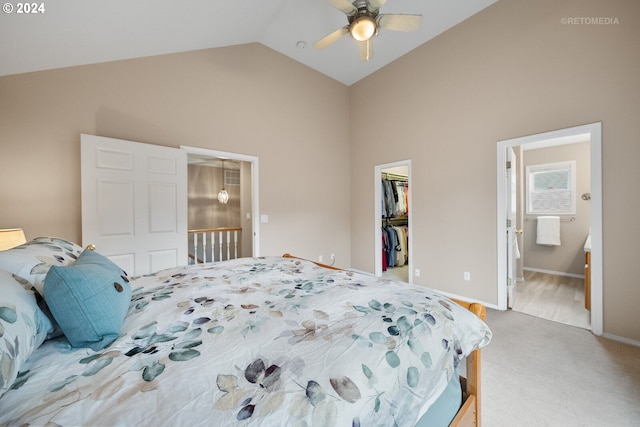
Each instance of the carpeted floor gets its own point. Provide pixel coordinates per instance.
(545, 374)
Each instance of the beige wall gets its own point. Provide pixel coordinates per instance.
(514, 69)
(568, 258)
(245, 99)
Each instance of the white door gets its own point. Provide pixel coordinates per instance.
(134, 203)
(512, 243)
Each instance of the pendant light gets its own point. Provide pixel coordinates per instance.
(223, 196)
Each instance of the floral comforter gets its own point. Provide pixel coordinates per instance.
(255, 341)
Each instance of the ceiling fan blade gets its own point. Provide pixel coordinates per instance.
(376, 4)
(331, 38)
(366, 50)
(344, 6)
(399, 22)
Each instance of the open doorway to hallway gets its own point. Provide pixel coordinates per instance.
(222, 205)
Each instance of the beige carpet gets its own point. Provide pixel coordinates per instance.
(541, 373)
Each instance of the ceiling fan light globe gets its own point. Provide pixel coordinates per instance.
(363, 28)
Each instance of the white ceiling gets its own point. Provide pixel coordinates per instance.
(77, 32)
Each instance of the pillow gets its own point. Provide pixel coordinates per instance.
(89, 299)
(23, 327)
(32, 260)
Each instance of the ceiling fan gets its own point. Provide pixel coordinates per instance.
(364, 20)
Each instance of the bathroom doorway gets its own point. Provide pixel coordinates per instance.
(577, 242)
(554, 197)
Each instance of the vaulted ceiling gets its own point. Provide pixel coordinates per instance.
(66, 33)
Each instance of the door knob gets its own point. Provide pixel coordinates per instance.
(518, 231)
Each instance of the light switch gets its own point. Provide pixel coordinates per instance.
(264, 218)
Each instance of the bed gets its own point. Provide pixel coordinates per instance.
(271, 341)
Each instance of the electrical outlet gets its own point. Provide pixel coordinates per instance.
(417, 272)
(320, 259)
(467, 276)
(333, 258)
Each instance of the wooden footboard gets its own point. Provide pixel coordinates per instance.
(469, 413)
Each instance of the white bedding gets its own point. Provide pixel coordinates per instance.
(255, 341)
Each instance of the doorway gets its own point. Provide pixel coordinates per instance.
(238, 175)
(392, 232)
(592, 134)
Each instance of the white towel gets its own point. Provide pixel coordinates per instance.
(548, 231)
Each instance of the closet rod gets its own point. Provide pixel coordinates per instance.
(394, 177)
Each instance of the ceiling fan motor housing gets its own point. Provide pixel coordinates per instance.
(362, 24)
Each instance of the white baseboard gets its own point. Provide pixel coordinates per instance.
(355, 270)
(466, 299)
(621, 339)
(557, 273)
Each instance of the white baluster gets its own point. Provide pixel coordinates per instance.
(195, 248)
(220, 245)
(204, 247)
(235, 244)
(213, 247)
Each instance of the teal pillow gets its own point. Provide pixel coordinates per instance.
(89, 299)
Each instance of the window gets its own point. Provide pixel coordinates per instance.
(551, 188)
(231, 177)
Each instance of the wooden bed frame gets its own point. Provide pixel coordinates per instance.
(469, 413)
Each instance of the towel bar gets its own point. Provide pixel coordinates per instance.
(531, 218)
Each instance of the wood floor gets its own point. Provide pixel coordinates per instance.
(552, 297)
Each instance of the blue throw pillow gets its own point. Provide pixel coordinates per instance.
(89, 299)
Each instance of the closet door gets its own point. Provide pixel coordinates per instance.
(134, 203)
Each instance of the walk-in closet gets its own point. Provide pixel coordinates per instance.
(395, 223)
